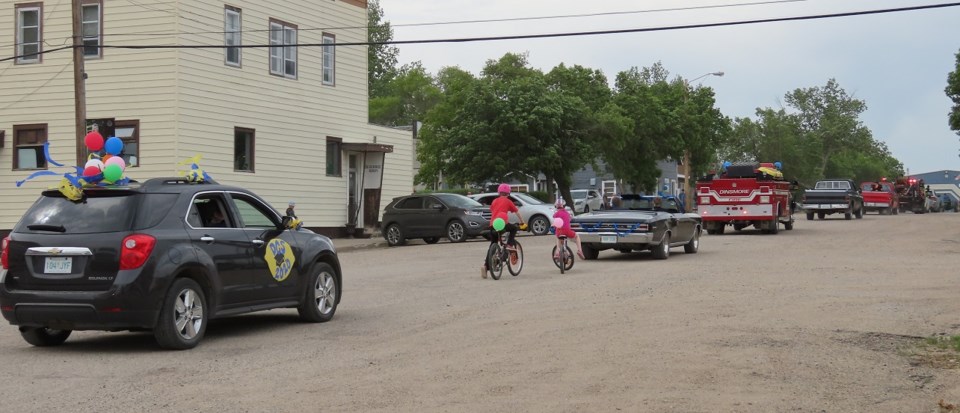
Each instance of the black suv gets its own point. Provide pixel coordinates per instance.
(167, 256)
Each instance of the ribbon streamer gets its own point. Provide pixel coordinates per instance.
(46, 154)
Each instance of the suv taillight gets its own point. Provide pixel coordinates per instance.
(5, 255)
(135, 250)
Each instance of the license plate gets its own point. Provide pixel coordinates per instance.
(58, 265)
(608, 239)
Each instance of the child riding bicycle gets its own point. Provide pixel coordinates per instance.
(500, 208)
(564, 229)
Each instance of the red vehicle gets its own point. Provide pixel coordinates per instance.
(881, 197)
(746, 195)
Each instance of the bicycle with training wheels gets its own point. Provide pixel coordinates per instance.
(563, 258)
(498, 256)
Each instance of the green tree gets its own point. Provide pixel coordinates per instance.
(513, 119)
(381, 58)
(821, 138)
(829, 119)
(953, 92)
(408, 97)
(652, 118)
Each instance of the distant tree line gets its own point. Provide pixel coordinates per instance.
(512, 118)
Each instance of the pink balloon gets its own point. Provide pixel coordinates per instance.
(115, 160)
(558, 222)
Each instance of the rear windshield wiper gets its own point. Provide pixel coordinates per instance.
(45, 227)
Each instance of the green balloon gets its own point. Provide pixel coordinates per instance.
(112, 173)
(499, 224)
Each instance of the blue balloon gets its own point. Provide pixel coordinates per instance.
(113, 146)
(778, 165)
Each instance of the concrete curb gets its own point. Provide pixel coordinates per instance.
(360, 247)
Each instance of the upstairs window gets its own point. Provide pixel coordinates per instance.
(329, 59)
(283, 50)
(232, 28)
(92, 28)
(29, 34)
(28, 143)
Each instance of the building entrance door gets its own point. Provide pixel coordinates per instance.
(353, 190)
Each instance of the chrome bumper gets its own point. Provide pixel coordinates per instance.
(612, 239)
(825, 206)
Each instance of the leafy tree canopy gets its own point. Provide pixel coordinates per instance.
(381, 59)
(953, 92)
(821, 137)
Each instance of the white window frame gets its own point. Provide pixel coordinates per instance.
(282, 35)
(99, 24)
(329, 60)
(232, 37)
(20, 35)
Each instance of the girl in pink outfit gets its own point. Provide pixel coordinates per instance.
(565, 230)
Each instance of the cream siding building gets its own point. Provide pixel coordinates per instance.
(170, 104)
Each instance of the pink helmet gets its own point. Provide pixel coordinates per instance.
(559, 203)
(503, 188)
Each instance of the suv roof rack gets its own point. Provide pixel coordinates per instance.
(156, 182)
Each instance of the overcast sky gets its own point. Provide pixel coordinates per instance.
(897, 63)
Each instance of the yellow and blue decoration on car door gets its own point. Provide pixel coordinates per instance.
(279, 258)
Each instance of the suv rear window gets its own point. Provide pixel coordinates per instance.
(111, 211)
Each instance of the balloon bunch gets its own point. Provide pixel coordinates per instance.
(99, 170)
(104, 162)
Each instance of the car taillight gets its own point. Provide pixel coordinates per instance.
(5, 255)
(135, 250)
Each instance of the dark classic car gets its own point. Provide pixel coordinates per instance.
(640, 223)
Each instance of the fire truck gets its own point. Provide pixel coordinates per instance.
(743, 195)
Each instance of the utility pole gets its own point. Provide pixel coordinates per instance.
(79, 90)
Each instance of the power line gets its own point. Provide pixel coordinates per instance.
(499, 20)
(538, 36)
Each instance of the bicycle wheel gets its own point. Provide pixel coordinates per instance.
(515, 267)
(494, 261)
(566, 257)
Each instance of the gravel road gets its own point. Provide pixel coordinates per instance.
(829, 317)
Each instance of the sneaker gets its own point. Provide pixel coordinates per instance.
(514, 258)
(483, 271)
(580, 254)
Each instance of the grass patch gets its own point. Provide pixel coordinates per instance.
(941, 351)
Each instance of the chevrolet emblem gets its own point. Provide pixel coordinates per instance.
(54, 251)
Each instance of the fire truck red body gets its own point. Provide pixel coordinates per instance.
(743, 196)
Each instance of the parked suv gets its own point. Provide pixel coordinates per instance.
(433, 216)
(166, 256)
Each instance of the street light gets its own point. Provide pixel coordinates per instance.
(717, 74)
(686, 153)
